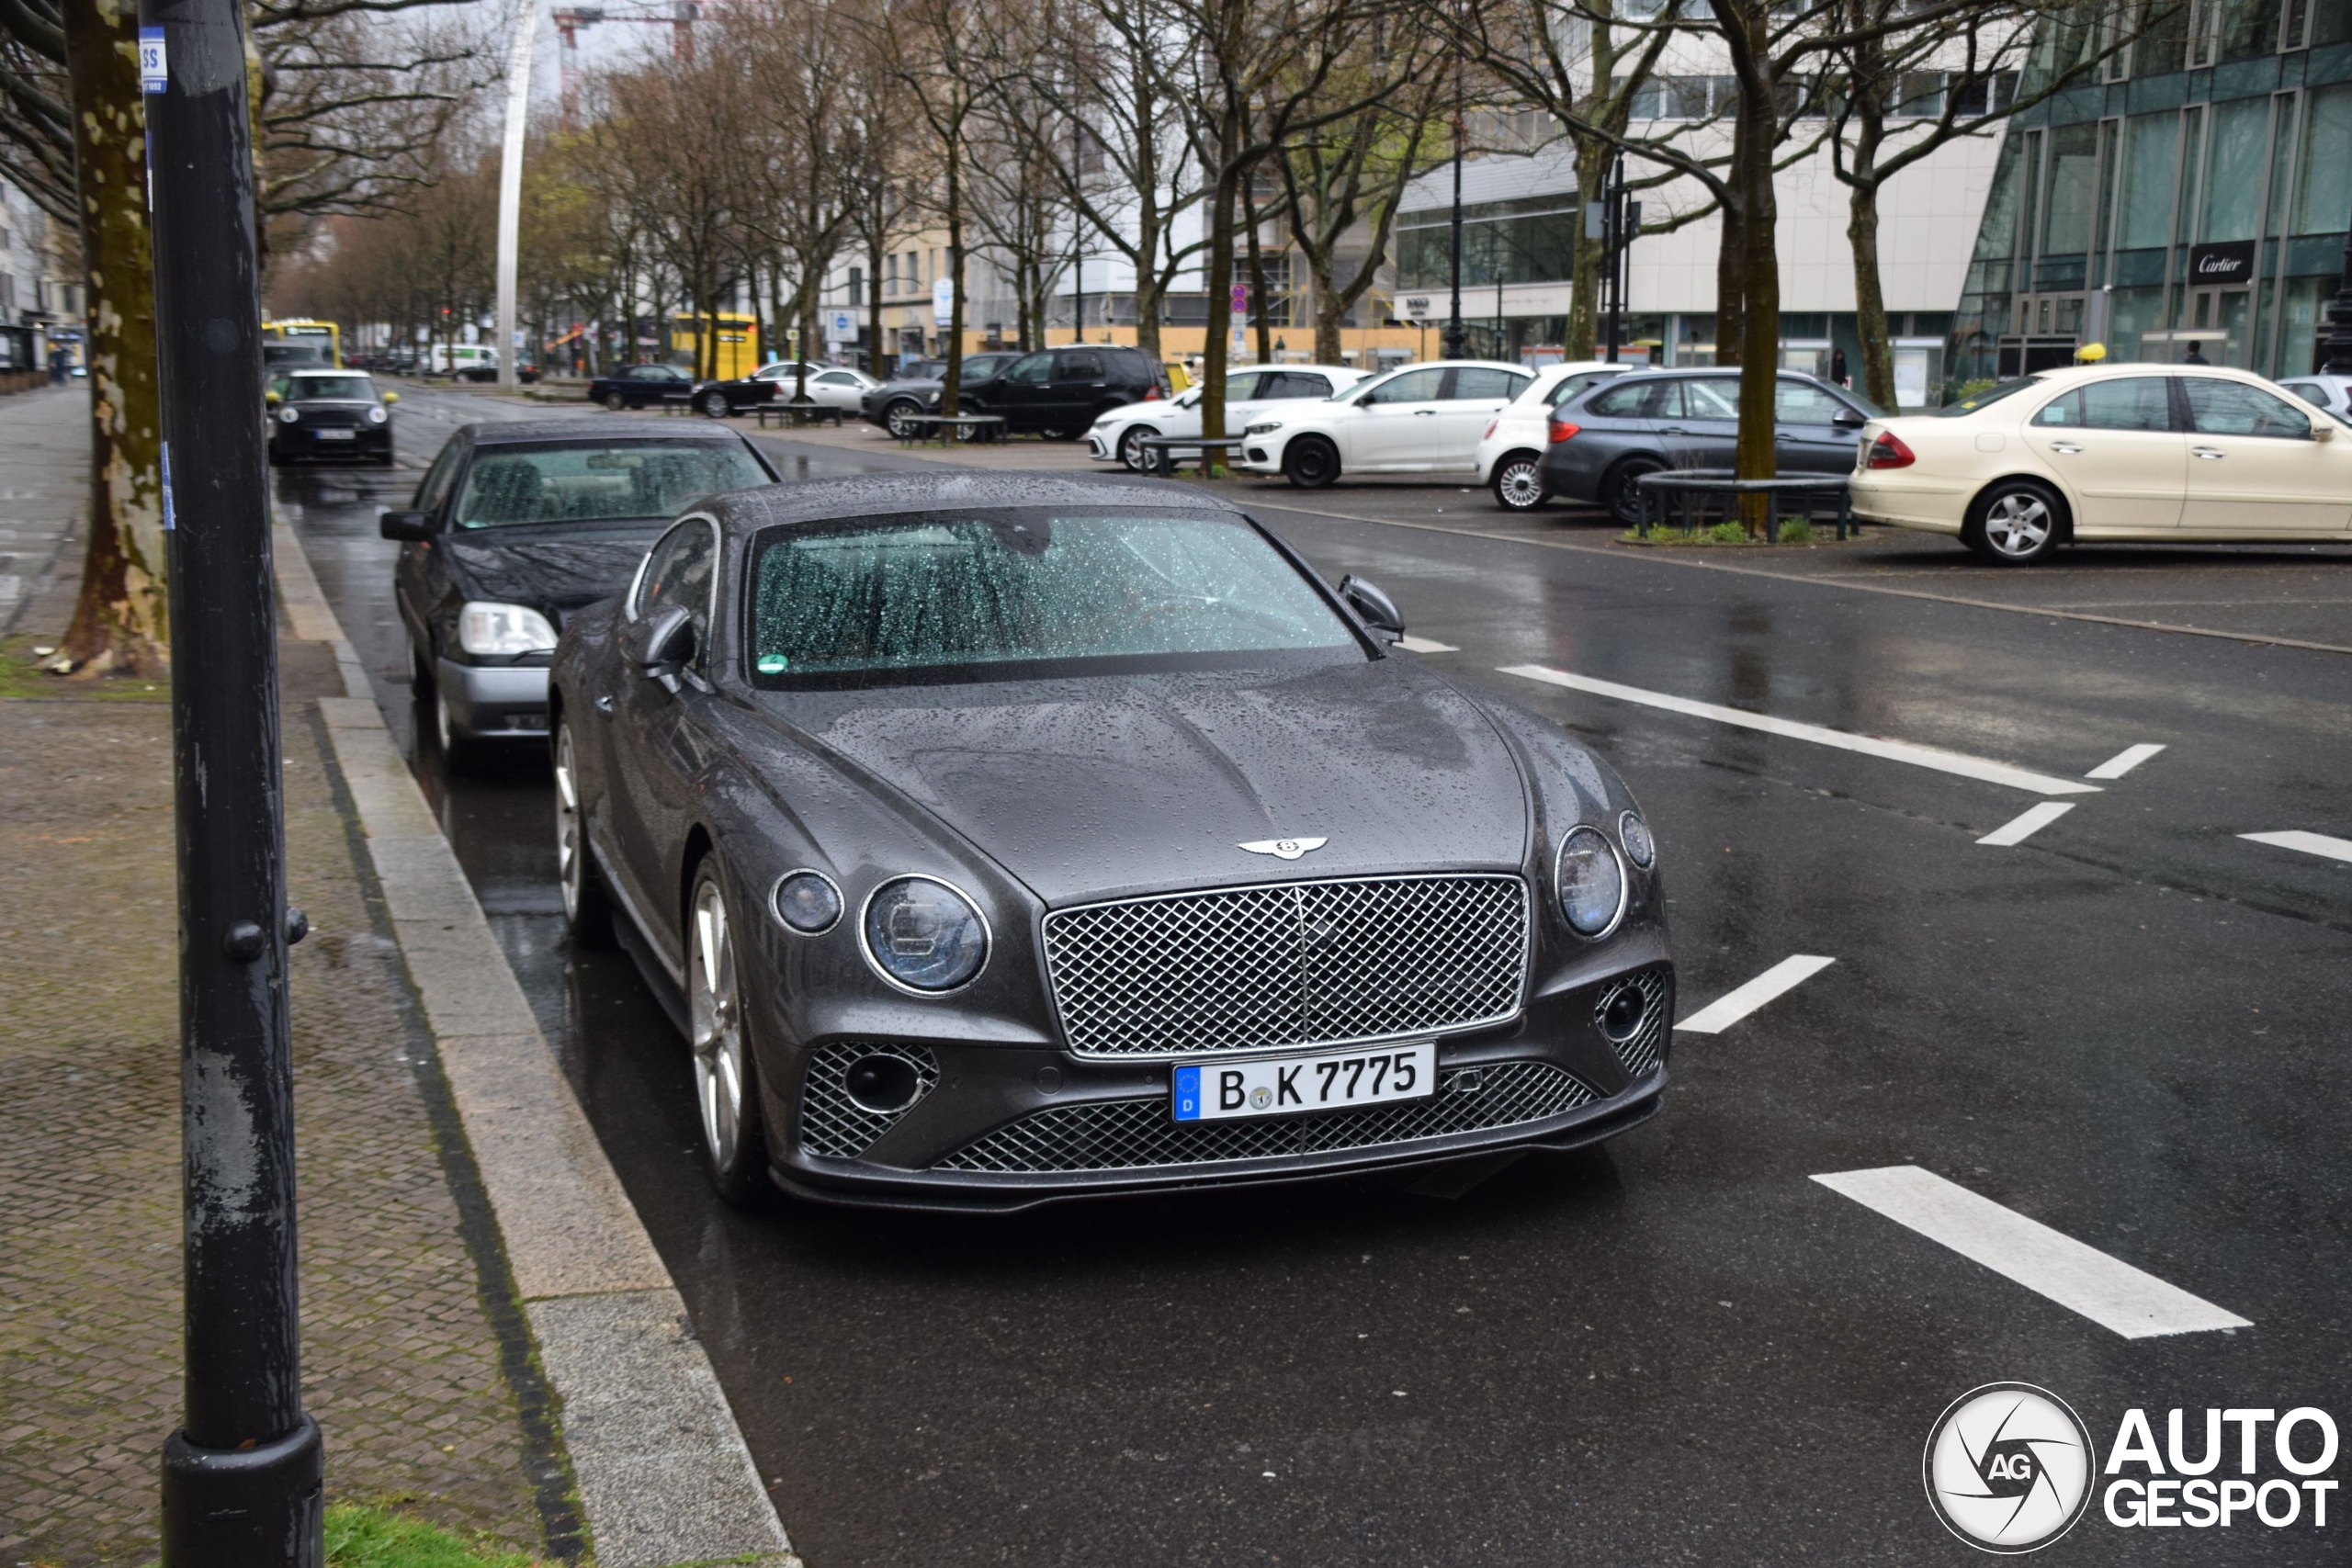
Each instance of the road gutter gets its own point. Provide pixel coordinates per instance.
(664, 1473)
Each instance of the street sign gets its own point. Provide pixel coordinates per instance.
(1417, 307)
(154, 77)
(841, 325)
(942, 301)
(1241, 297)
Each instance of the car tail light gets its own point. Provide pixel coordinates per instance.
(1562, 430)
(1152, 394)
(1889, 452)
(1490, 430)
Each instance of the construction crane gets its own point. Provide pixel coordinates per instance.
(571, 20)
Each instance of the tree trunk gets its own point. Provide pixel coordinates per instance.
(1870, 297)
(1760, 269)
(1220, 300)
(875, 357)
(952, 390)
(1330, 315)
(120, 621)
(1257, 272)
(1593, 160)
(1729, 288)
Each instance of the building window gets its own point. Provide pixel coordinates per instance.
(2323, 188)
(1531, 240)
(2233, 168)
(890, 274)
(2068, 207)
(2152, 153)
(856, 284)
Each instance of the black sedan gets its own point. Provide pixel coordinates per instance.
(1013, 839)
(329, 415)
(650, 386)
(1650, 420)
(918, 387)
(514, 528)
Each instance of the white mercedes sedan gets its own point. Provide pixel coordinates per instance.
(2145, 453)
(1248, 393)
(1420, 419)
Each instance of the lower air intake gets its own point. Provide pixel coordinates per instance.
(1642, 1046)
(831, 1122)
(1139, 1134)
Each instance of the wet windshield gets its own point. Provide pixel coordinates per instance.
(358, 388)
(577, 484)
(948, 590)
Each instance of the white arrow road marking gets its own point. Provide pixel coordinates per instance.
(1728, 1010)
(1869, 745)
(1423, 644)
(2027, 823)
(2108, 1291)
(2310, 843)
(2124, 761)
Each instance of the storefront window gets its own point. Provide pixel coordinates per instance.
(2074, 185)
(2129, 312)
(2324, 204)
(2301, 326)
(2151, 155)
(2233, 168)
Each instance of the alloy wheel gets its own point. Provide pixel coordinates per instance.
(898, 419)
(1131, 452)
(1517, 485)
(2017, 525)
(569, 850)
(713, 1012)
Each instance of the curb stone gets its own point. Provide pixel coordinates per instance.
(664, 1476)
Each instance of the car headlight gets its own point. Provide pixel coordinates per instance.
(808, 902)
(288, 414)
(923, 935)
(486, 628)
(1634, 834)
(377, 414)
(1266, 429)
(1588, 882)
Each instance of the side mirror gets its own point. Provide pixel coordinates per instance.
(1847, 419)
(659, 643)
(271, 399)
(1377, 609)
(391, 398)
(405, 526)
(2323, 432)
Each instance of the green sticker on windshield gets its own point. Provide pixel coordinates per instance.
(774, 663)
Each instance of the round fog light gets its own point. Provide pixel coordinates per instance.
(881, 1085)
(1621, 1018)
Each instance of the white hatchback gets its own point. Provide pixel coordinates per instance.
(1418, 419)
(1248, 393)
(2141, 452)
(1513, 445)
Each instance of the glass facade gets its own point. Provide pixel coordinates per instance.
(1531, 240)
(2194, 199)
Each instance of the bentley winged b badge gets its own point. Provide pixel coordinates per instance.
(1285, 849)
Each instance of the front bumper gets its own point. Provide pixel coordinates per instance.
(494, 702)
(1001, 1128)
(302, 443)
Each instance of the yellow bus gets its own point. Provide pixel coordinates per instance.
(301, 329)
(738, 343)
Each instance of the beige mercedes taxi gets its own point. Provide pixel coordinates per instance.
(2138, 452)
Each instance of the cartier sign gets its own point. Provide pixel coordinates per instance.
(2231, 262)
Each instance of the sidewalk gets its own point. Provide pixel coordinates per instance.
(416, 1362)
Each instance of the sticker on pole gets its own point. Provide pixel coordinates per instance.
(152, 75)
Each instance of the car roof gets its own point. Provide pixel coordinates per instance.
(882, 495)
(593, 433)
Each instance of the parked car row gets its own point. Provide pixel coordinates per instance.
(1058, 393)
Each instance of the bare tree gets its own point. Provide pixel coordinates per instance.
(794, 61)
(943, 56)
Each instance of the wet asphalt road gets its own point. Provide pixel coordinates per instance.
(1679, 1347)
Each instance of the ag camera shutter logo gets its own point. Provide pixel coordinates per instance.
(2008, 1468)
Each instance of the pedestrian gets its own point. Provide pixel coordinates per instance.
(2196, 355)
(1837, 368)
(58, 363)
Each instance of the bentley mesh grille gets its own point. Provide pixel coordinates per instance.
(1288, 963)
(833, 1125)
(1641, 1049)
(1133, 1135)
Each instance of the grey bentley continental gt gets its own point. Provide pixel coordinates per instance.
(1010, 839)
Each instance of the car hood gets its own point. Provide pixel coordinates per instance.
(1105, 785)
(546, 567)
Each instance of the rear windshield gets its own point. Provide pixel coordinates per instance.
(965, 595)
(353, 388)
(591, 483)
(1993, 394)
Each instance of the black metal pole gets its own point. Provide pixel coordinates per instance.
(1077, 242)
(2340, 320)
(241, 1477)
(1612, 224)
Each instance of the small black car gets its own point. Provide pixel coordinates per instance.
(918, 388)
(329, 415)
(650, 386)
(514, 528)
(1058, 392)
(1009, 839)
(1653, 420)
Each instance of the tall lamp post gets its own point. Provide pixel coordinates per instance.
(510, 186)
(241, 1476)
(1456, 337)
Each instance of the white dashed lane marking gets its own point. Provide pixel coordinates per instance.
(1423, 644)
(1728, 1010)
(2124, 761)
(2310, 843)
(2026, 824)
(1941, 761)
(2082, 1279)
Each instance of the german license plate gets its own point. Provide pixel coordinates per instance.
(1329, 1081)
(335, 434)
